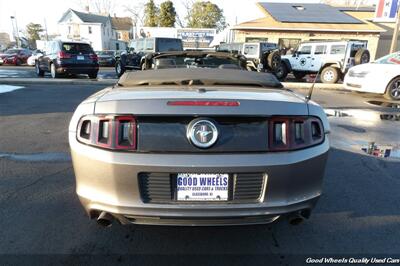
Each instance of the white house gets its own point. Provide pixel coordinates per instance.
(93, 28)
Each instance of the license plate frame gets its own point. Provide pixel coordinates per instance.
(222, 194)
(80, 57)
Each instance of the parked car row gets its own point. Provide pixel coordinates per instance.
(333, 60)
(15, 56)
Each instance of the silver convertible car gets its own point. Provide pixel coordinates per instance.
(198, 146)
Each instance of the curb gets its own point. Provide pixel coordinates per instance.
(30, 81)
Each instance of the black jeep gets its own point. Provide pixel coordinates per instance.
(138, 49)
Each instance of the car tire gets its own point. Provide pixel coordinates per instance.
(53, 71)
(119, 68)
(330, 75)
(92, 75)
(274, 60)
(299, 75)
(362, 56)
(18, 62)
(143, 66)
(39, 72)
(393, 90)
(281, 72)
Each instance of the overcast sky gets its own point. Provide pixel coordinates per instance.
(37, 11)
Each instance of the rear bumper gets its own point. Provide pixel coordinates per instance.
(108, 181)
(77, 69)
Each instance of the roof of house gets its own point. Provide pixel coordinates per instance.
(270, 23)
(121, 23)
(303, 13)
(87, 17)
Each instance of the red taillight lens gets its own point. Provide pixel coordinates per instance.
(292, 133)
(125, 136)
(93, 57)
(116, 132)
(63, 55)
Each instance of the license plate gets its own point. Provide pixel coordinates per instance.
(80, 57)
(202, 187)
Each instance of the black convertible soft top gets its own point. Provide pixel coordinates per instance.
(199, 76)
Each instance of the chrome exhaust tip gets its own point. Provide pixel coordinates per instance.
(105, 219)
(299, 217)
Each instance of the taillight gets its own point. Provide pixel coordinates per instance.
(115, 132)
(125, 137)
(93, 57)
(63, 55)
(292, 133)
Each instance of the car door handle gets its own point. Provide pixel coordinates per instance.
(308, 56)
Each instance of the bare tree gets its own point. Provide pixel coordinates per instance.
(137, 12)
(104, 7)
(187, 5)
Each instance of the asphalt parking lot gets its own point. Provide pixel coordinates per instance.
(40, 215)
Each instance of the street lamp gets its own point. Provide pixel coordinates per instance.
(15, 29)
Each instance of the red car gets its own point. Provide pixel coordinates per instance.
(17, 56)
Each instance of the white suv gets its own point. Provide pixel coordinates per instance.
(331, 58)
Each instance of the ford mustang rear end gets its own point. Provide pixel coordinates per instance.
(198, 147)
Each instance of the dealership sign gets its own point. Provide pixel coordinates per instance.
(196, 38)
(386, 10)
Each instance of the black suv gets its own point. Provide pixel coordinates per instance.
(66, 58)
(138, 49)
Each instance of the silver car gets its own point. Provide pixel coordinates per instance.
(198, 147)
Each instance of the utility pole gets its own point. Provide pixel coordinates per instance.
(45, 26)
(393, 46)
(15, 29)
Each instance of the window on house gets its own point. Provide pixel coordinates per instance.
(119, 37)
(69, 29)
(104, 30)
(90, 29)
(256, 39)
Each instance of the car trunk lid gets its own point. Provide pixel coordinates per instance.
(154, 101)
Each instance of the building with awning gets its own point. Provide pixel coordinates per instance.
(288, 24)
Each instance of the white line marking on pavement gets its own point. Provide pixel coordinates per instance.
(8, 88)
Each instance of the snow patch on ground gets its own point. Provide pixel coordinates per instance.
(8, 88)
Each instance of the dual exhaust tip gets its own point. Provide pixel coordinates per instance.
(297, 218)
(105, 219)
